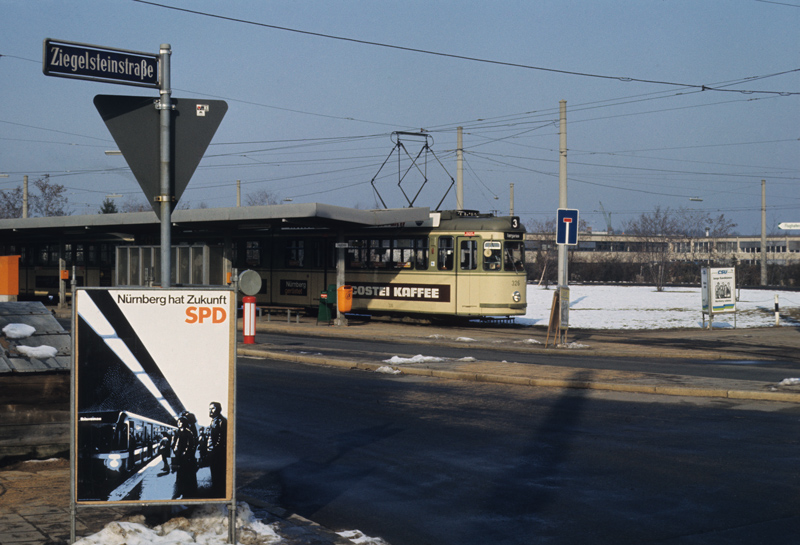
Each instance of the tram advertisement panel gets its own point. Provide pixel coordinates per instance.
(154, 395)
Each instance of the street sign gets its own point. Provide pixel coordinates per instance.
(789, 225)
(567, 226)
(97, 63)
(134, 123)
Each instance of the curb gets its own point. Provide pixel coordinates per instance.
(687, 391)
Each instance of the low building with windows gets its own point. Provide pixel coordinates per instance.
(781, 250)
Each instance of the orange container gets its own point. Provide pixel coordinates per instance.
(9, 275)
(344, 298)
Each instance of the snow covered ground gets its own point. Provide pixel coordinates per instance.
(208, 525)
(642, 307)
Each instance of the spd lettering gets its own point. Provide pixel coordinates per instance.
(198, 315)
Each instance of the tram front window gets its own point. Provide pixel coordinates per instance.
(491, 255)
(514, 256)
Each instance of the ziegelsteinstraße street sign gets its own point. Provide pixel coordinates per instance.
(97, 63)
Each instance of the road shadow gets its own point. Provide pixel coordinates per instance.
(540, 475)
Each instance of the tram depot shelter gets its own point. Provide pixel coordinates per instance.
(51, 244)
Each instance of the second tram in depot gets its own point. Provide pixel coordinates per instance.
(113, 445)
(454, 264)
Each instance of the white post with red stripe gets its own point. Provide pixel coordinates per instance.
(249, 319)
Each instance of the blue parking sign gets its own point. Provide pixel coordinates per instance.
(567, 226)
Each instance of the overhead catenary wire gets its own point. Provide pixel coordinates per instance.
(701, 87)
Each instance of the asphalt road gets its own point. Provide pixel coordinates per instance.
(424, 461)
(742, 369)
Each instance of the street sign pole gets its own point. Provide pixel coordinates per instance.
(563, 274)
(165, 106)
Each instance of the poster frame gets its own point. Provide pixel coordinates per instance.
(82, 296)
(718, 292)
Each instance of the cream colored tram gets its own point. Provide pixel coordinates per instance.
(459, 263)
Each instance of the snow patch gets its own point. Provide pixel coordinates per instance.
(18, 331)
(359, 538)
(789, 382)
(419, 358)
(207, 525)
(388, 370)
(38, 352)
(465, 340)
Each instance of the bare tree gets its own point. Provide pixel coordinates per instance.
(696, 223)
(11, 203)
(47, 199)
(653, 231)
(260, 198)
(133, 204)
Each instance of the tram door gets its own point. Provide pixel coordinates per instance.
(467, 298)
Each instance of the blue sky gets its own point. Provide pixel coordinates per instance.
(310, 117)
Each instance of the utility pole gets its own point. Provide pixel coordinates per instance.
(563, 273)
(25, 196)
(763, 232)
(238, 193)
(511, 203)
(460, 170)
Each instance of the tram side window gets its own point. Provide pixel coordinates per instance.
(444, 261)
(380, 253)
(295, 253)
(492, 250)
(421, 253)
(356, 255)
(403, 253)
(514, 256)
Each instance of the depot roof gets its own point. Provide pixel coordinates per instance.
(297, 215)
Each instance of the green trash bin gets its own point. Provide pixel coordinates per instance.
(327, 304)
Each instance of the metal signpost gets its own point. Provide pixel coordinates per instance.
(162, 158)
(566, 235)
(112, 65)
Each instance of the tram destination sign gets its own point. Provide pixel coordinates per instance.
(97, 63)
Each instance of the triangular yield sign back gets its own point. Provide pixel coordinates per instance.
(134, 122)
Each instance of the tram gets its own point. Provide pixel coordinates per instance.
(457, 263)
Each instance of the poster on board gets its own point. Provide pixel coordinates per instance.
(718, 287)
(154, 403)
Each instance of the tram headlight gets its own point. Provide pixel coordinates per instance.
(114, 461)
(516, 296)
